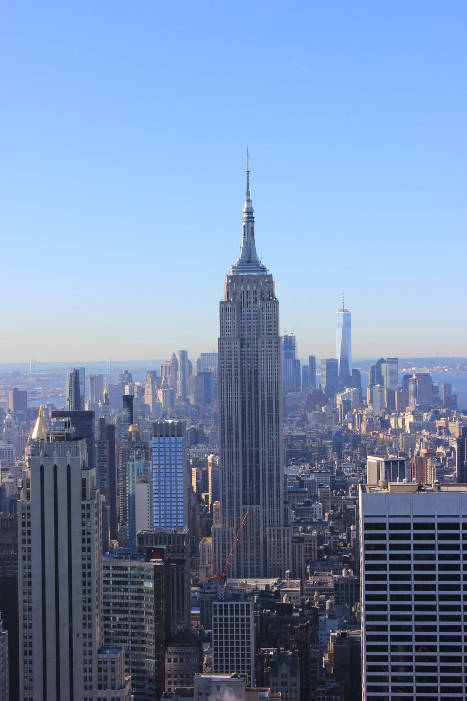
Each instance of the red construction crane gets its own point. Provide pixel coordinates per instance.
(219, 576)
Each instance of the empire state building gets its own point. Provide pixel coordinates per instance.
(251, 420)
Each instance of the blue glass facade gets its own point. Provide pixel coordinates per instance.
(170, 476)
(343, 344)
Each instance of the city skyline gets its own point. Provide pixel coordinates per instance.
(359, 156)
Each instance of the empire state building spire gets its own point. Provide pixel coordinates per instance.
(248, 261)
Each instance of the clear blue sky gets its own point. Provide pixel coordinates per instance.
(123, 131)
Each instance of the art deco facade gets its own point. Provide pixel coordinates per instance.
(60, 575)
(251, 421)
(60, 587)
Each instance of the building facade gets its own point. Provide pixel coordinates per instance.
(233, 637)
(329, 376)
(75, 389)
(170, 475)
(60, 572)
(183, 659)
(413, 565)
(344, 344)
(251, 419)
(136, 617)
(290, 365)
(177, 548)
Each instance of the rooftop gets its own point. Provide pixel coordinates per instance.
(413, 488)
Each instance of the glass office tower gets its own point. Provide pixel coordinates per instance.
(343, 344)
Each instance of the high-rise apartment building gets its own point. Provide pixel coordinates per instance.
(177, 548)
(75, 389)
(413, 555)
(344, 344)
(250, 418)
(60, 572)
(170, 475)
(233, 636)
(136, 616)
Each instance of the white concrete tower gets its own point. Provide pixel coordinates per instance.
(251, 421)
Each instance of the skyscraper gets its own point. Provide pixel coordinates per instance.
(60, 570)
(127, 417)
(170, 475)
(136, 613)
(81, 424)
(290, 365)
(250, 418)
(312, 366)
(413, 565)
(343, 344)
(182, 375)
(75, 389)
(233, 621)
(390, 372)
(96, 390)
(107, 471)
(329, 376)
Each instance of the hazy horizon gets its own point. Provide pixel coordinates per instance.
(123, 173)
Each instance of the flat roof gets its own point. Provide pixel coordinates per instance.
(413, 488)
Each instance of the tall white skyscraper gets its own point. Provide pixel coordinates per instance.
(413, 580)
(170, 475)
(343, 343)
(251, 421)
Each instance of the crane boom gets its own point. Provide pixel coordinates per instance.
(219, 576)
(233, 549)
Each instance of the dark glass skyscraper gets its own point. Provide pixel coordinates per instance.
(75, 389)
